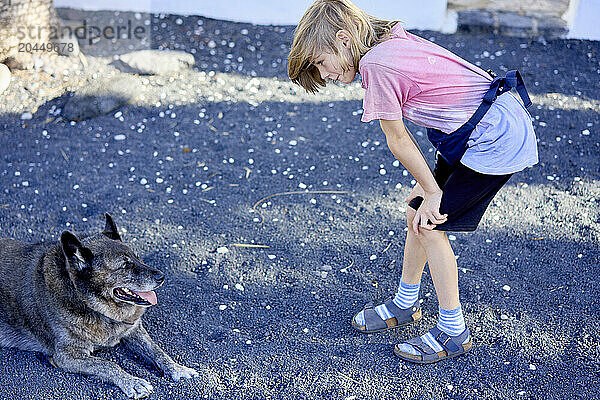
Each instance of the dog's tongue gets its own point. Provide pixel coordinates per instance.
(150, 297)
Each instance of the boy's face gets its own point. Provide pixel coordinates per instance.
(330, 67)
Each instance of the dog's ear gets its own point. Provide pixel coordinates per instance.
(78, 256)
(110, 229)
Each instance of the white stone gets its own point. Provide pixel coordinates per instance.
(222, 250)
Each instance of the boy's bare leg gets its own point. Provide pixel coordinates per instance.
(414, 255)
(442, 266)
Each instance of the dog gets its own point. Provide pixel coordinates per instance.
(70, 298)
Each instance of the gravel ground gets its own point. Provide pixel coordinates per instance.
(213, 157)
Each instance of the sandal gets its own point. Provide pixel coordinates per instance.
(452, 346)
(400, 317)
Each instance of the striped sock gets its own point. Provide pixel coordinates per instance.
(406, 296)
(451, 322)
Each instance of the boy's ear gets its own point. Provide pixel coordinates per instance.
(110, 229)
(78, 256)
(344, 36)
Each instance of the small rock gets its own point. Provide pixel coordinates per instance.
(506, 288)
(239, 286)
(26, 115)
(222, 307)
(222, 250)
(119, 137)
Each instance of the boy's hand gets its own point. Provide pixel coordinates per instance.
(428, 215)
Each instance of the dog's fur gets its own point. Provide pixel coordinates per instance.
(59, 299)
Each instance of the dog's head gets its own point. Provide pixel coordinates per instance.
(108, 275)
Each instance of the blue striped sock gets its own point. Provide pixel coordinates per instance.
(407, 294)
(452, 322)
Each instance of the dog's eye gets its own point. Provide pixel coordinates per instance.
(126, 263)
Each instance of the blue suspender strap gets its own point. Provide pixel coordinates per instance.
(452, 146)
(514, 80)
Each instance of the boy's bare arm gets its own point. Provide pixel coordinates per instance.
(406, 150)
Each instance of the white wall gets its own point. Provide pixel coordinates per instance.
(583, 18)
(423, 14)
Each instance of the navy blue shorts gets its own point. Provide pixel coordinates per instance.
(467, 194)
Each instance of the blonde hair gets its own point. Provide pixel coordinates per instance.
(316, 33)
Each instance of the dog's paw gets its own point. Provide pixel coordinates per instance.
(178, 372)
(137, 388)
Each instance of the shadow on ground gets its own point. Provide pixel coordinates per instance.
(180, 190)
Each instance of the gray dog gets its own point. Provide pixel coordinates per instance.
(70, 298)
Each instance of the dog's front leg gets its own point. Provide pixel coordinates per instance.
(142, 344)
(81, 362)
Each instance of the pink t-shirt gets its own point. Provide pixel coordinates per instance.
(408, 76)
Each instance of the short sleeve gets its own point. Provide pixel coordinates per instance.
(386, 90)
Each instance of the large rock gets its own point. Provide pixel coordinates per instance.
(537, 8)
(101, 97)
(511, 24)
(154, 62)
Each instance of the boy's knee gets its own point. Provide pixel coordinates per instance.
(425, 236)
